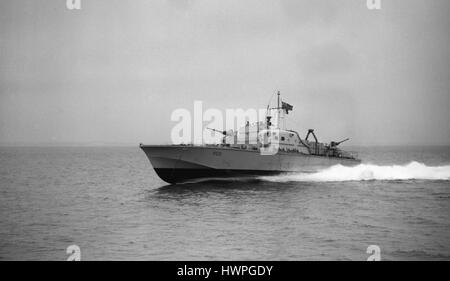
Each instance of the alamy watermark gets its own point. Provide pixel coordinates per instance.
(373, 4)
(74, 253)
(375, 253)
(251, 127)
(76, 4)
(73, 4)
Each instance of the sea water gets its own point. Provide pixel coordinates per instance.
(109, 202)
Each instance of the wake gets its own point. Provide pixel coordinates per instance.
(365, 172)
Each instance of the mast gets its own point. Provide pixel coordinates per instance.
(278, 108)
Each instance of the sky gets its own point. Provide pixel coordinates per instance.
(114, 71)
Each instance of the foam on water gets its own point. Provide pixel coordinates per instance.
(411, 171)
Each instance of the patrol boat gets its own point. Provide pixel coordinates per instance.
(266, 149)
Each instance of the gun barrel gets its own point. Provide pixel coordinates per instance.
(343, 141)
(214, 130)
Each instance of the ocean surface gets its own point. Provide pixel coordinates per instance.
(110, 203)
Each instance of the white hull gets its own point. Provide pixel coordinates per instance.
(178, 163)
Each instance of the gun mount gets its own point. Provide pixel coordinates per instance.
(336, 143)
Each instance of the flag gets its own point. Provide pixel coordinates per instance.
(286, 107)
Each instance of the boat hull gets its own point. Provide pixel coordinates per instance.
(181, 163)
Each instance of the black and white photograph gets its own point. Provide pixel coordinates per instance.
(250, 131)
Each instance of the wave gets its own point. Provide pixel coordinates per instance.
(365, 172)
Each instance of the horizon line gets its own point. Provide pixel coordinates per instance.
(129, 144)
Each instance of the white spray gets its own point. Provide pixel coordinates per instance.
(413, 170)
